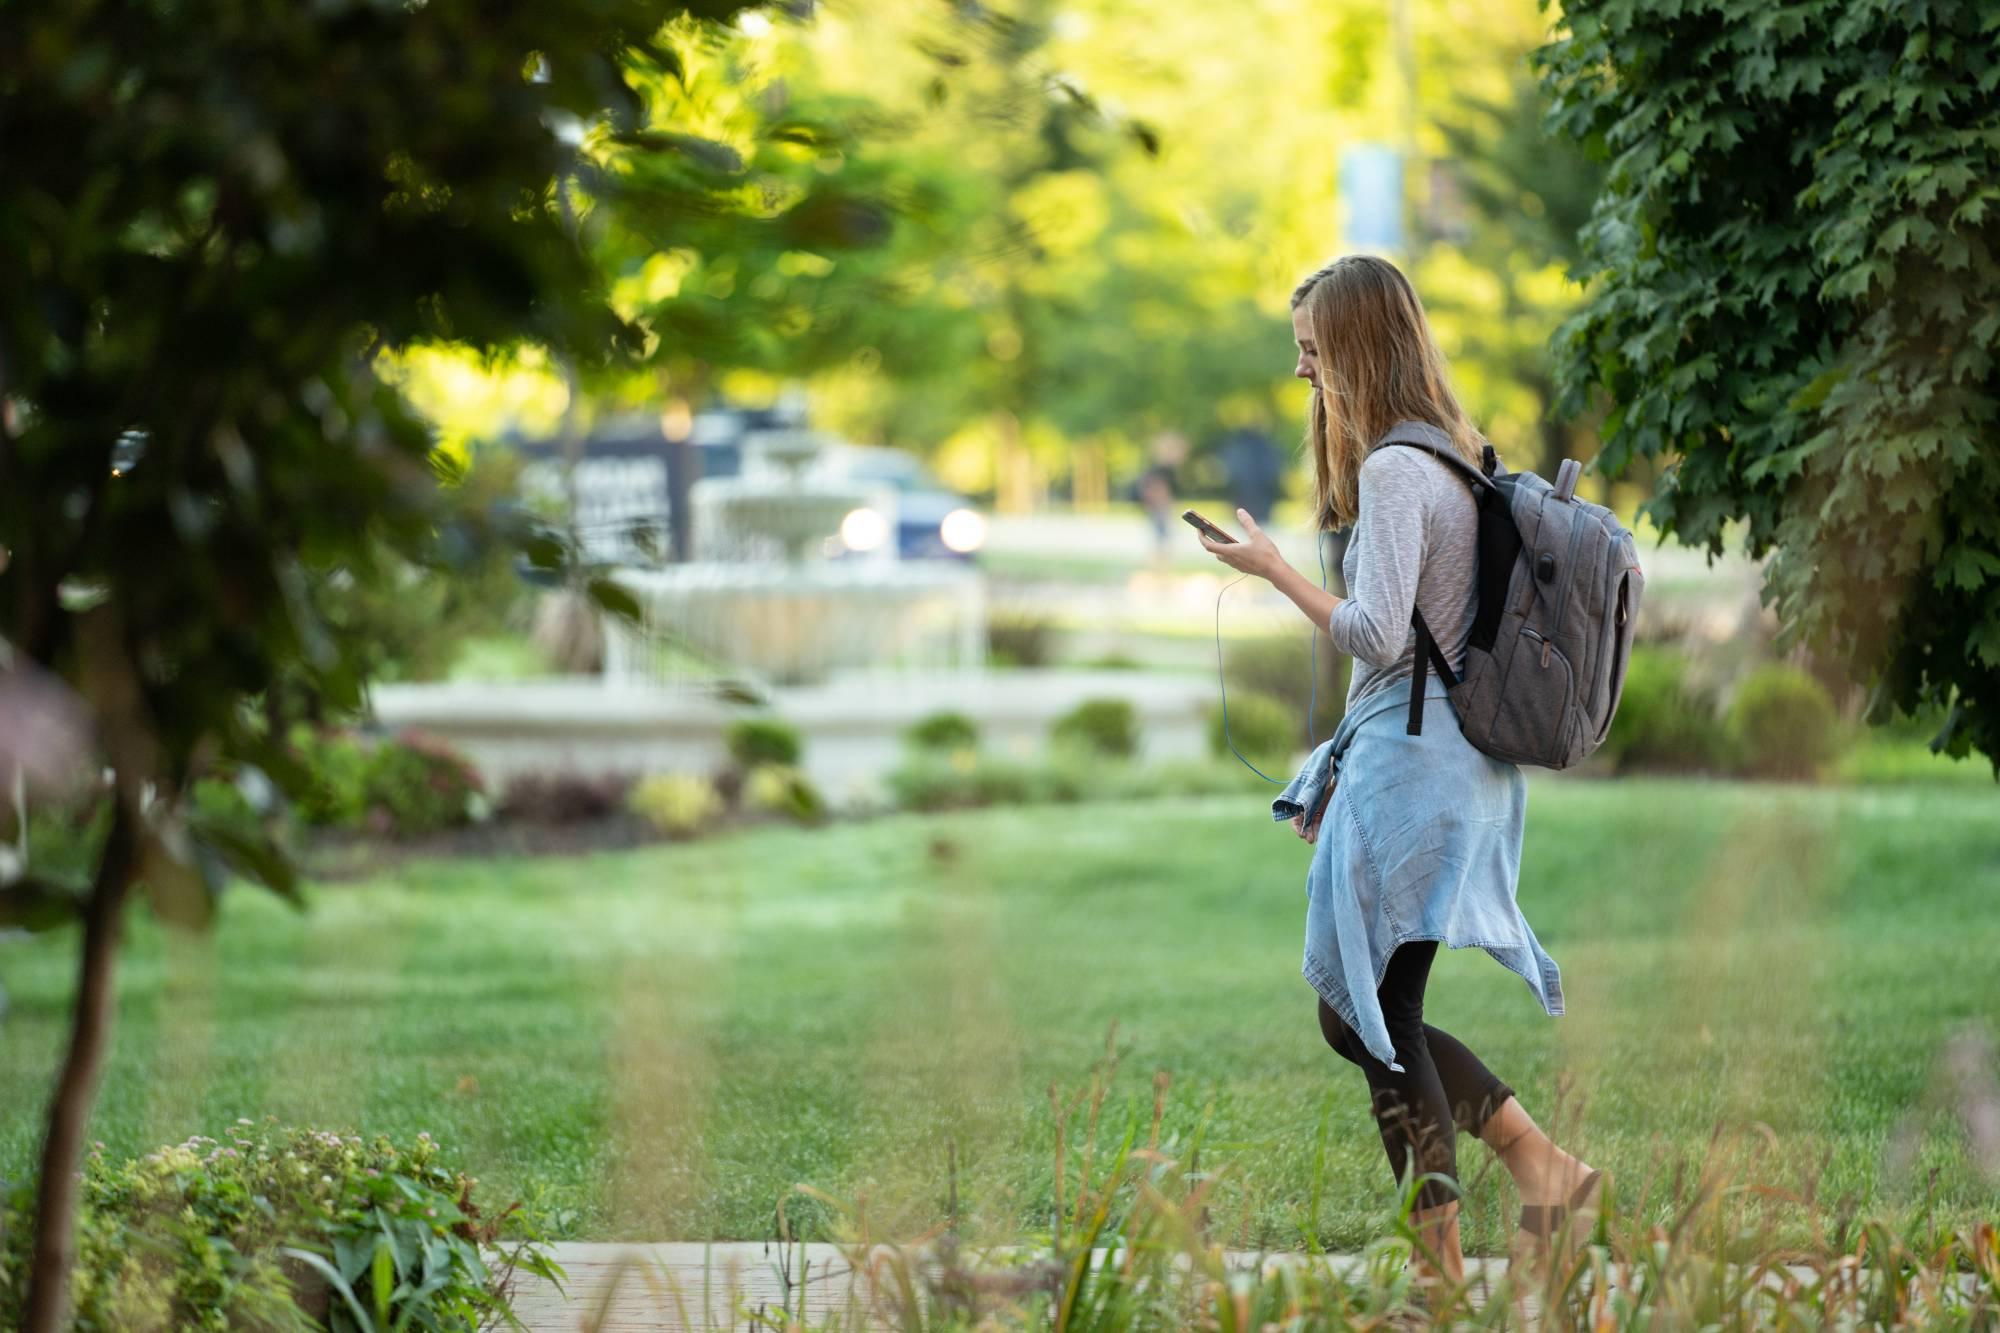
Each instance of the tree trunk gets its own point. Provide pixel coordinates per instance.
(76, 1087)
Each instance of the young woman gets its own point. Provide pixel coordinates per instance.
(1423, 833)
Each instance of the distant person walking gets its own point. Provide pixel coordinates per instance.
(1155, 489)
(1256, 470)
(1424, 844)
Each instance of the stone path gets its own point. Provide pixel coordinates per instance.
(640, 1288)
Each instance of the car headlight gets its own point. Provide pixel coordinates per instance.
(963, 530)
(863, 529)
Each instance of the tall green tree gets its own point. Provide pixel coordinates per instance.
(1794, 296)
(1523, 197)
(213, 222)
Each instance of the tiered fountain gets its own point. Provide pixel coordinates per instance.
(762, 600)
(851, 651)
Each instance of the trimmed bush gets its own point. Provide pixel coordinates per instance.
(677, 804)
(1263, 727)
(1105, 726)
(1782, 723)
(564, 798)
(932, 780)
(1020, 638)
(763, 740)
(407, 784)
(415, 783)
(1663, 722)
(1280, 666)
(338, 763)
(782, 789)
(276, 1228)
(942, 731)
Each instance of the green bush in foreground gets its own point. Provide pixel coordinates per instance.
(1710, 1263)
(1782, 723)
(1106, 726)
(278, 1228)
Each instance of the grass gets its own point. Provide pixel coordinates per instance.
(659, 1044)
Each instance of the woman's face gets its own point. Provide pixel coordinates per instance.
(1308, 367)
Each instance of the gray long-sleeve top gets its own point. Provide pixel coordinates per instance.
(1416, 540)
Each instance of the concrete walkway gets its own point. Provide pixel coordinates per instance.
(626, 1288)
(630, 1288)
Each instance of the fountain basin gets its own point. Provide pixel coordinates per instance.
(793, 624)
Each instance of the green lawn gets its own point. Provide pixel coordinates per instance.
(658, 1044)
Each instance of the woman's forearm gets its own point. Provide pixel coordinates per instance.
(1315, 601)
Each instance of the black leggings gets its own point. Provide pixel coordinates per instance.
(1443, 1088)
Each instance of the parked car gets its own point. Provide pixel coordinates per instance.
(929, 519)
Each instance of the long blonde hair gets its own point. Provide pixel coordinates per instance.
(1378, 365)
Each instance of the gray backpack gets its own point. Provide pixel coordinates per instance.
(1559, 585)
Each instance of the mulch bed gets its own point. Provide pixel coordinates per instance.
(346, 854)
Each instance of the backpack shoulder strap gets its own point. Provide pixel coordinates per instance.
(1422, 435)
(1428, 654)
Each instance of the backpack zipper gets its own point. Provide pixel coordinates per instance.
(1575, 535)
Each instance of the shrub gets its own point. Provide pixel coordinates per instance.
(1194, 777)
(763, 740)
(1020, 638)
(277, 1228)
(677, 804)
(415, 783)
(1261, 725)
(933, 780)
(959, 779)
(338, 763)
(1663, 721)
(942, 731)
(565, 798)
(1782, 723)
(1107, 726)
(1280, 666)
(783, 789)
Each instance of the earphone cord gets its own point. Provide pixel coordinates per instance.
(1311, 705)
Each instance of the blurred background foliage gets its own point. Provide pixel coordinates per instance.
(1097, 223)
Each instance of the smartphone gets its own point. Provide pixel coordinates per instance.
(1203, 525)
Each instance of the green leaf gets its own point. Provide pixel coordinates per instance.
(615, 598)
(253, 854)
(383, 1273)
(1815, 393)
(175, 885)
(334, 1280)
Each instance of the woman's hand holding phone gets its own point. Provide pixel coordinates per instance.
(1256, 554)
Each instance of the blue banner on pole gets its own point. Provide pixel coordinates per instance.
(1371, 196)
